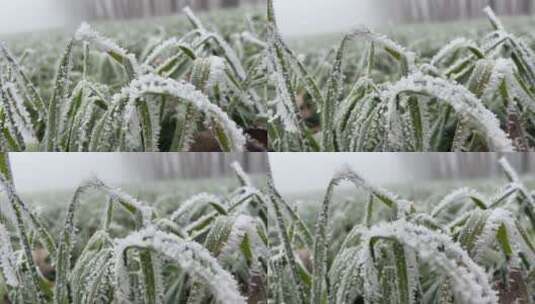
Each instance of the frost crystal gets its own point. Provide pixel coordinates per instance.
(505, 71)
(242, 176)
(159, 49)
(190, 256)
(497, 219)
(284, 103)
(7, 258)
(470, 282)
(451, 47)
(493, 19)
(509, 171)
(217, 71)
(230, 54)
(242, 226)
(194, 202)
(457, 195)
(86, 33)
(22, 116)
(462, 100)
(389, 44)
(187, 92)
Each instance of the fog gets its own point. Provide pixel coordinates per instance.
(298, 173)
(34, 172)
(302, 172)
(33, 15)
(302, 17)
(296, 17)
(60, 171)
(293, 172)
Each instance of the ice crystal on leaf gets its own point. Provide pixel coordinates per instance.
(469, 280)
(193, 203)
(86, 33)
(462, 100)
(460, 194)
(502, 221)
(153, 84)
(7, 258)
(242, 176)
(244, 226)
(451, 48)
(190, 256)
(493, 19)
(217, 71)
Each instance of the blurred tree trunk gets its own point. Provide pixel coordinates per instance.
(439, 10)
(120, 9)
(230, 3)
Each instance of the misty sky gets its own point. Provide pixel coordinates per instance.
(301, 172)
(295, 16)
(293, 172)
(30, 15)
(61, 171)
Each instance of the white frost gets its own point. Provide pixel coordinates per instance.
(187, 92)
(190, 256)
(462, 101)
(7, 258)
(194, 202)
(469, 281)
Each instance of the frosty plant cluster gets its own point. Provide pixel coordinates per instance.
(177, 92)
(468, 96)
(212, 249)
(467, 248)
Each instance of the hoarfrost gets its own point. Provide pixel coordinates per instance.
(502, 218)
(7, 258)
(493, 18)
(462, 100)
(450, 47)
(470, 282)
(217, 71)
(190, 256)
(457, 195)
(242, 176)
(86, 33)
(196, 201)
(242, 226)
(157, 85)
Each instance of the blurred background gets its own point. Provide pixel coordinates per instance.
(296, 173)
(298, 17)
(31, 15)
(34, 172)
